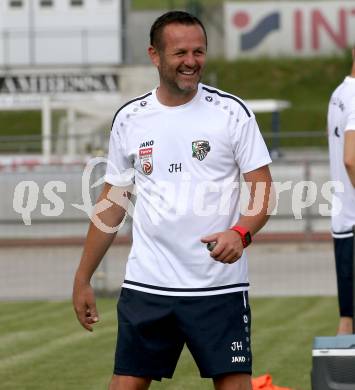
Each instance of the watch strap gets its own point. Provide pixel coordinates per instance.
(244, 235)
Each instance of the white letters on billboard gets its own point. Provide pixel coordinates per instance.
(297, 28)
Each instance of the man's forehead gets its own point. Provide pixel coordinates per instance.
(177, 31)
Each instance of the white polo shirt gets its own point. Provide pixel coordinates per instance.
(186, 162)
(341, 118)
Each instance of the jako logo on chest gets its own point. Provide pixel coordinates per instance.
(146, 144)
(146, 156)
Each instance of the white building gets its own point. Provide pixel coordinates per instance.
(60, 32)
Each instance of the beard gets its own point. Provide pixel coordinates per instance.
(177, 83)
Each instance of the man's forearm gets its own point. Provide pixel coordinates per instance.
(349, 155)
(96, 245)
(253, 224)
(351, 173)
(261, 202)
(98, 241)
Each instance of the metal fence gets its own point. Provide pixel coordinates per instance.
(97, 140)
(61, 143)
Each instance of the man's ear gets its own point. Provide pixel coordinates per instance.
(154, 56)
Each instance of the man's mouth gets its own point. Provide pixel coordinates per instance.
(187, 72)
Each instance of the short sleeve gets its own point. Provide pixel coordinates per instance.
(250, 151)
(119, 170)
(350, 123)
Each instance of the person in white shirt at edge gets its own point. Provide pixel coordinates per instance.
(341, 137)
(187, 144)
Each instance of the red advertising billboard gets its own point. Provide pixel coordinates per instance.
(288, 28)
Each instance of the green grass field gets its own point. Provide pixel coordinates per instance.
(179, 4)
(42, 346)
(169, 4)
(306, 83)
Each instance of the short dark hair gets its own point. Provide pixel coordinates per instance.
(181, 17)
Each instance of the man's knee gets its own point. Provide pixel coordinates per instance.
(233, 382)
(125, 382)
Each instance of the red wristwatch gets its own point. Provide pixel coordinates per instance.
(244, 235)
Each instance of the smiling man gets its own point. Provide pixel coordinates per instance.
(188, 144)
(179, 52)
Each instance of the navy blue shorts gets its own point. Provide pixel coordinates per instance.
(154, 328)
(343, 248)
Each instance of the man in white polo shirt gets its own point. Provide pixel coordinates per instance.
(341, 133)
(184, 146)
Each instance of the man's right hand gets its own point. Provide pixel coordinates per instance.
(85, 305)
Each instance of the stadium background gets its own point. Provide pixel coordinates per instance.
(49, 136)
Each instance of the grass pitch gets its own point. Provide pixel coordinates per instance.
(42, 347)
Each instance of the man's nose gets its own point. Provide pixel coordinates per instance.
(190, 60)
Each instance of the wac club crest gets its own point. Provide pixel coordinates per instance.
(146, 159)
(200, 149)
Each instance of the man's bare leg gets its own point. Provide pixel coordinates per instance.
(233, 382)
(125, 382)
(345, 325)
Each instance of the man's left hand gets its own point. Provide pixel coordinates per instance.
(228, 248)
